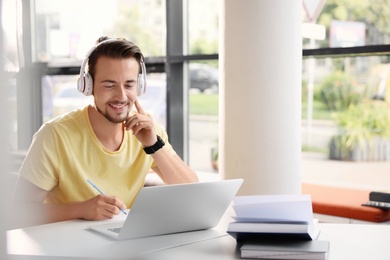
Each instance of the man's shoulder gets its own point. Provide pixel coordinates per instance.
(74, 118)
(73, 115)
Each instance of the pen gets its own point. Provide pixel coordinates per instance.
(101, 192)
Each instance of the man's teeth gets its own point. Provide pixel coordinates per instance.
(118, 106)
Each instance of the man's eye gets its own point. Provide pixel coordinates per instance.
(109, 86)
(129, 85)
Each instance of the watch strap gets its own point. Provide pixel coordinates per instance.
(154, 148)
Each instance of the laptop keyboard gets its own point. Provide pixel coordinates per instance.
(115, 230)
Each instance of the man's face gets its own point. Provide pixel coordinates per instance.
(115, 87)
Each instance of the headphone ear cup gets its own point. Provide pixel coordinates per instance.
(141, 85)
(85, 84)
(80, 84)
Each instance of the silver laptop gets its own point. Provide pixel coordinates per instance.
(168, 209)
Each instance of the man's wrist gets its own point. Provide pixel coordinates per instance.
(154, 148)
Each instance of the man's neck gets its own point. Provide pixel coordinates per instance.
(109, 134)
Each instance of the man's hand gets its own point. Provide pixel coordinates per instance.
(142, 126)
(101, 207)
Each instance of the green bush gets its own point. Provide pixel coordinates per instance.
(338, 91)
(360, 123)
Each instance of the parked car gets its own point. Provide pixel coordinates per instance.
(203, 77)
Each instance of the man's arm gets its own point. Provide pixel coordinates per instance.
(172, 169)
(29, 207)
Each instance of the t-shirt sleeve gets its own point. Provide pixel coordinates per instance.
(41, 162)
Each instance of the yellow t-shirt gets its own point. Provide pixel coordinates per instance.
(65, 152)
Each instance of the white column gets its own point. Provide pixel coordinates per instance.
(260, 94)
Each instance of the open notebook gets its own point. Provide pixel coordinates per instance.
(171, 209)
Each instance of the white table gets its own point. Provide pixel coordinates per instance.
(71, 239)
(347, 242)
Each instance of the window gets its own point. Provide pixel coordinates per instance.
(354, 56)
(346, 95)
(64, 33)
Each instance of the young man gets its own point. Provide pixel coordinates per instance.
(112, 143)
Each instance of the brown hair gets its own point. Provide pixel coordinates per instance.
(114, 48)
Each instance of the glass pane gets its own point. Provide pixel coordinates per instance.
(60, 95)
(349, 23)
(10, 90)
(10, 37)
(346, 121)
(154, 100)
(65, 33)
(203, 120)
(203, 26)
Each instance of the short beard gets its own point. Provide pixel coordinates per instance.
(110, 118)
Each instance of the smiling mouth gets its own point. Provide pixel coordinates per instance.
(118, 106)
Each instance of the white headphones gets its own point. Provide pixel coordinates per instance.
(85, 82)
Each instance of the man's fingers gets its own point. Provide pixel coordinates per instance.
(139, 108)
(116, 203)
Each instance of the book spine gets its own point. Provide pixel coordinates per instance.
(379, 196)
(242, 237)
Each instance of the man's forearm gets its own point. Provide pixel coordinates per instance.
(172, 169)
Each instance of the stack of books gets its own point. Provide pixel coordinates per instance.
(378, 199)
(285, 249)
(277, 227)
(243, 231)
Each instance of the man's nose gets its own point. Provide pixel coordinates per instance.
(120, 93)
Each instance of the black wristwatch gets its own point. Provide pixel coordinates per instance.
(154, 148)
